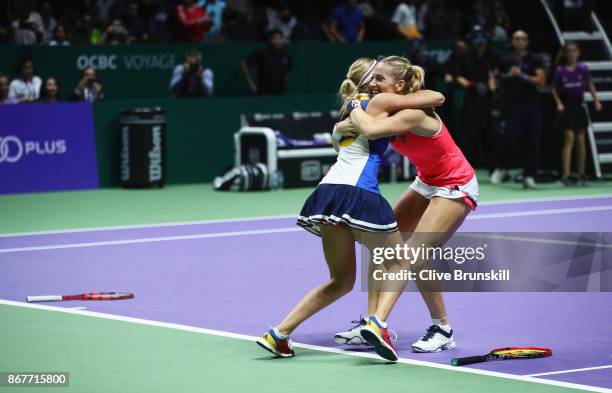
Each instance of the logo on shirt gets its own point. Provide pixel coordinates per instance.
(13, 149)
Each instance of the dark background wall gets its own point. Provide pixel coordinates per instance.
(144, 71)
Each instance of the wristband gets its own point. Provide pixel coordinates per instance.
(337, 135)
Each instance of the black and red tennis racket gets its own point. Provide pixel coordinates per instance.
(82, 296)
(505, 354)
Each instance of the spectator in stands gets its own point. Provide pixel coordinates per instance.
(476, 75)
(450, 68)
(85, 31)
(479, 15)
(28, 27)
(238, 21)
(89, 88)
(49, 91)
(4, 91)
(59, 37)
(378, 24)
(500, 24)
(191, 79)
(134, 23)
(520, 73)
(26, 87)
(405, 20)
(273, 65)
(214, 10)
(453, 63)
(115, 33)
(570, 81)
(48, 21)
(6, 31)
(433, 69)
(346, 23)
(438, 20)
(193, 21)
(281, 18)
(104, 8)
(156, 14)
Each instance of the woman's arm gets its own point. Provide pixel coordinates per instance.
(373, 128)
(389, 102)
(555, 94)
(596, 101)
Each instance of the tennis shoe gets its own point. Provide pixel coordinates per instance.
(378, 336)
(353, 335)
(435, 339)
(281, 347)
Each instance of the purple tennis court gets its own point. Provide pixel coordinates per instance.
(242, 276)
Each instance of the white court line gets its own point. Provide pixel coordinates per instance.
(575, 370)
(540, 212)
(219, 333)
(276, 230)
(151, 239)
(273, 217)
(141, 226)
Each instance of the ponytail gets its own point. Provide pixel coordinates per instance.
(356, 82)
(402, 69)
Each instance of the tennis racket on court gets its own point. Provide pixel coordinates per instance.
(82, 296)
(505, 354)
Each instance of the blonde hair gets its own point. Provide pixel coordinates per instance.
(402, 69)
(355, 81)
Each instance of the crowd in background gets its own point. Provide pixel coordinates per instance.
(62, 22)
(501, 91)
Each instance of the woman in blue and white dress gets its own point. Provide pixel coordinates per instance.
(346, 205)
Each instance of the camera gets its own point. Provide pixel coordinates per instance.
(194, 67)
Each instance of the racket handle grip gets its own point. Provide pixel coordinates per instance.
(46, 298)
(468, 360)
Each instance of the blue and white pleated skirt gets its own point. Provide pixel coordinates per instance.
(332, 204)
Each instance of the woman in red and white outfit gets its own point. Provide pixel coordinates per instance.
(437, 202)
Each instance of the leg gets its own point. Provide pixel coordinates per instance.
(533, 127)
(509, 136)
(372, 241)
(566, 152)
(581, 147)
(408, 210)
(439, 222)
(339, 250)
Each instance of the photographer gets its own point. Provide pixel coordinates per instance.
(191, 79)
(89, 88)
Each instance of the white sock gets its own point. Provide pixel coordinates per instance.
(446, 327)
(278, 334)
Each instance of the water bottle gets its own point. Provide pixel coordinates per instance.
(277, 180)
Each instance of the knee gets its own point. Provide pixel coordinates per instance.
(580, 138)
(569, 138)
(342, 285)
